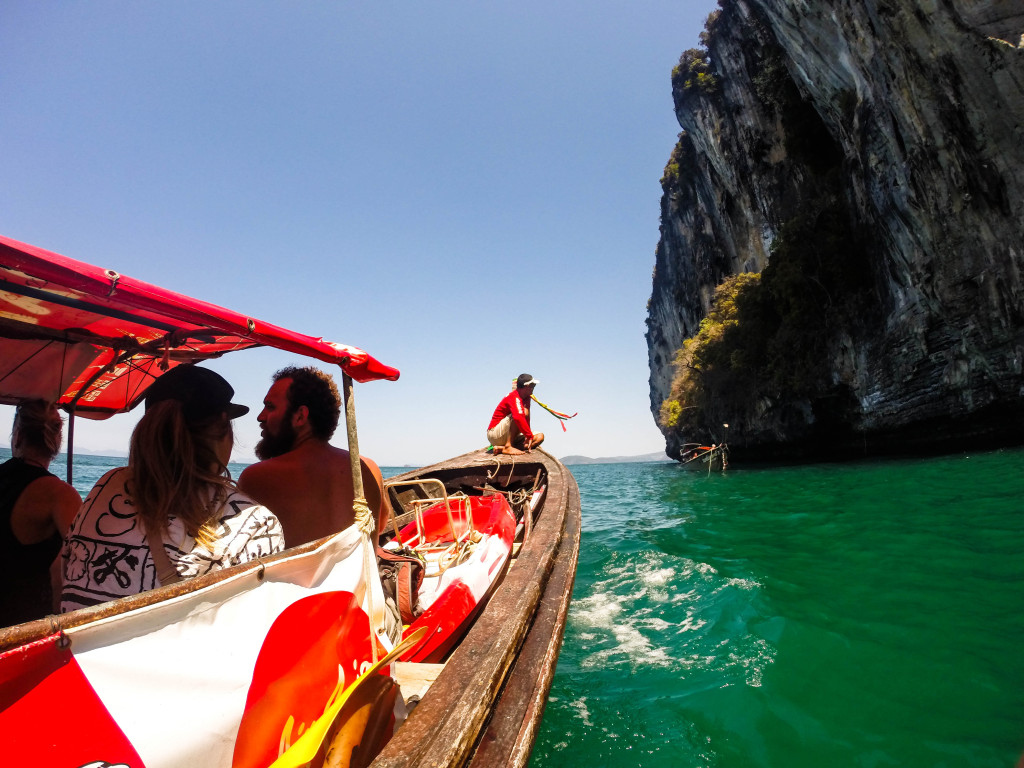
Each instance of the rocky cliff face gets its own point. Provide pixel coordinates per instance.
(867, 156)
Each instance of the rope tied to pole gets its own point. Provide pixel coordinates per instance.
(364, 517)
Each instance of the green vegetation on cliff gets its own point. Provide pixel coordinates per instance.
(694, 71)
(768, 334)
(713, 364)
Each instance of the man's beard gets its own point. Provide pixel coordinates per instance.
(272, 445)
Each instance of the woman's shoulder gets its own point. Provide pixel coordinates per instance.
(239, 503)
(117, 473)
(239, 514)
(246, 530)
(112, 480)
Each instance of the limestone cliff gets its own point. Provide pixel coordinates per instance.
(867, 158)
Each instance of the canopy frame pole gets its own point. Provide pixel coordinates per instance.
(358, 492)
(71, 443)
(366, 520)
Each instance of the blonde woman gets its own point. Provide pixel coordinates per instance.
(174, 512)
(36, 509)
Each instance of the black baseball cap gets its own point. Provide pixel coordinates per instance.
(525, 380)
(201, 392)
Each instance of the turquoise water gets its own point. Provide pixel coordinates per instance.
(88, 469)
(864, 614)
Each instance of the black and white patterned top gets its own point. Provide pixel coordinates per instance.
(105, 555)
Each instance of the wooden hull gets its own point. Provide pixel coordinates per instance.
(486, 703)
(706, 459)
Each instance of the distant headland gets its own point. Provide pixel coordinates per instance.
(646, 457)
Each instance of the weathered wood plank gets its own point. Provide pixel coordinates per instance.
(508, 740)
(444, 729)
(415, 679)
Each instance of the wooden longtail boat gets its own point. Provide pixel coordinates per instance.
(485, 706)
(92, 341)
(706, 458)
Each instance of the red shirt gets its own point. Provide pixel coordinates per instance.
(512, 404)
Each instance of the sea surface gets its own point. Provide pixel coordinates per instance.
(857, 614)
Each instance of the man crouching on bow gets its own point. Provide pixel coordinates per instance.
(509, 431)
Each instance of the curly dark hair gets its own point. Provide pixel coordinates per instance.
(317, 391)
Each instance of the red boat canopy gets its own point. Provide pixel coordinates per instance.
(92, 339)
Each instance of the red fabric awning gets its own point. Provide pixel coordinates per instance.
(63, 323)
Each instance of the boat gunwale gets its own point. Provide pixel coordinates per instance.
(515, 719)
(447, 725)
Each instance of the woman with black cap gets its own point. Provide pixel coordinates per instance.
(174, 512)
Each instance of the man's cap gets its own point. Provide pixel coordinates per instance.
(201, 392)
(525, 380)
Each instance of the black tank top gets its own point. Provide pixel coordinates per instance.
(25, 590)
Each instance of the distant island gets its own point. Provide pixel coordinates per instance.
(645, 457)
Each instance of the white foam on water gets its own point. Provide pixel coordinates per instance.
(632, 617)
(707, 570)
(659, 577)
(744, 584)
(603, 611)
(580, 705)
(597, 610)
(656, 624)
(755, 661)
(691, 624)
(638, 648)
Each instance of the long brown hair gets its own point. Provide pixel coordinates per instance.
(173, 466)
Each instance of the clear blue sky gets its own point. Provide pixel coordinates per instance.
(466, 190)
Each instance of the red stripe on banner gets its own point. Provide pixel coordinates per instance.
(40, 684)
(315, 649)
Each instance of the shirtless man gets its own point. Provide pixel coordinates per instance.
(509, 431)
(302, 478)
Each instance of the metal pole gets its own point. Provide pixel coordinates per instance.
(353, 437)
(71, 443)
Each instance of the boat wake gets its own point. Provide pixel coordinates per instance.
(652, 610)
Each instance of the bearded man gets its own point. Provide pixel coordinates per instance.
(301, 477)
